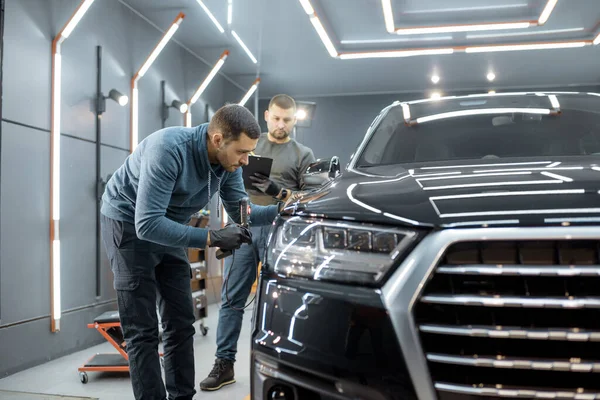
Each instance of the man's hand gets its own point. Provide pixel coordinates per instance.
(265, 185)
(230, 238)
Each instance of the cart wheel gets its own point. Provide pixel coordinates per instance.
(203, 329)
(83, 377)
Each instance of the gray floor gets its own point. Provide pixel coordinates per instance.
(60, 377)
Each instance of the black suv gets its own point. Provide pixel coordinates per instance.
(456, 257)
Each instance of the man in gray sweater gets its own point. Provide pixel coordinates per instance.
(290, 161)
(147, 203)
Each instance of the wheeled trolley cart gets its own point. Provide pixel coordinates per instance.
(109, 326)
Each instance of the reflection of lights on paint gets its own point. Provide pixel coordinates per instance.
(276, 340)
(275, 295)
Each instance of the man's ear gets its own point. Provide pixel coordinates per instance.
(217, 139)
(266, 115)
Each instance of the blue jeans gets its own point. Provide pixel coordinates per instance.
(240, 272)
(144, 273)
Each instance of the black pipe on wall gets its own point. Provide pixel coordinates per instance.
(100, 106)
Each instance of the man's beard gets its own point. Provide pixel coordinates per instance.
(221, 156)
(280, 134)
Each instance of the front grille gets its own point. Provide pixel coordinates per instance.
(514, 319)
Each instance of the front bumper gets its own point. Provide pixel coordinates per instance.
(327, 341)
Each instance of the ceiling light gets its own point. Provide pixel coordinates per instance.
(229, 12)
(250, 92)
(462, 28)
(208, 79)
(211, 16)
(462, 9)
(491, 76)
(517, 47)
(81, 10)
(527, 33)
(597, 40)
(547, 11)
(388, 15)
(307, 7)
(435, 79)
(246, 49)
(323, 35)
(395, 53)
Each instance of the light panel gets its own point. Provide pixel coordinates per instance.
(596, 40)
(388, 15)
(211, 16)
(208, 79)
(188, 119)
(250, 92)
(547, 11)
(463, 28)
(526, 46)
(229, 12)
(134, 135)
(243, 45)
(55, 126)
(395, 53)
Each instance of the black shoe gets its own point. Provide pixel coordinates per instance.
(221, 375)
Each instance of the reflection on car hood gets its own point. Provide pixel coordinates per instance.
(488, 193)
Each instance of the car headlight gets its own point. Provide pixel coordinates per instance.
(335, 251)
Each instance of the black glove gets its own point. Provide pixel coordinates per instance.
(264, 184)
(231, 237)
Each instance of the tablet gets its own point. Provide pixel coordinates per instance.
(262, 165)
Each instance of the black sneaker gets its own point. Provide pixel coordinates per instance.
(221, 375)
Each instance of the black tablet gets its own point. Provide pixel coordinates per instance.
(262, 165)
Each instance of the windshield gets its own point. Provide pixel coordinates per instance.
(486, 127)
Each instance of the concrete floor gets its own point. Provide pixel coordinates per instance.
(60, 377)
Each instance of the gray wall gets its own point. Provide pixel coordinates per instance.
(126, 39)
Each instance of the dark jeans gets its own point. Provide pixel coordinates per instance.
(144, 273)
(240, 270)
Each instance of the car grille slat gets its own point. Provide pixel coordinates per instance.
(490, 301)
(516, 319)
(517, 270)
(570, 335)
(521, 393)
(514, 363)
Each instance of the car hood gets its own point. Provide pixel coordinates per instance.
(519, 192)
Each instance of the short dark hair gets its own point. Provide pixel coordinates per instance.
(231, 120)
(283, 101)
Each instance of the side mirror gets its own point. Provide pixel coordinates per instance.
(322, 171)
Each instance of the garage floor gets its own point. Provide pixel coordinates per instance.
(60, 377)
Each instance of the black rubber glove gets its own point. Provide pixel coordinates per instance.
(265, 185)
(231, 237)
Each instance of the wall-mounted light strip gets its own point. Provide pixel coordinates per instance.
(211, 16)
(596, 40)
(134, 136)
(243, 45)
(250, 92)
(55, 266)
(203, 86)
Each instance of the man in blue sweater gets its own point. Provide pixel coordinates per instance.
(147, 203)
